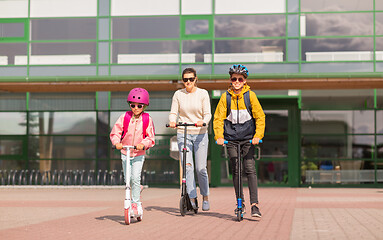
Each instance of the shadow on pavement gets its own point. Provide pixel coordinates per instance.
(116, 218)
(176, 212)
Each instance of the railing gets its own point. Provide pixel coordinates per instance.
(79, 177)
(343, 176)
(3, 60)
(53, 59)
(156, 58)
(344, 56)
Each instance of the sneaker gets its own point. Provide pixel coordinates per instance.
(134, 210)
(194, 206)
(243, 209)
(255, 211)
(140, 211)
(205, 206)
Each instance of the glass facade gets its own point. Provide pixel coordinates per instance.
(339, 131)
(112, 33)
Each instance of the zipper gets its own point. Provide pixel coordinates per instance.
(135, 126)
(237, 109)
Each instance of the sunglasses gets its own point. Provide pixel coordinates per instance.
(234, 79)
(188, 79)
(138, 105)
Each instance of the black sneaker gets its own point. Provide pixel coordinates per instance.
(255, 211)
(243, 209)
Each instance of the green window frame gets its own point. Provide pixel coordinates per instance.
(16, 20)
(186, 18)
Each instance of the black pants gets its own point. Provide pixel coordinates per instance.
(248, 166)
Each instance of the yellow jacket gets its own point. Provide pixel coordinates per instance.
(239, 125)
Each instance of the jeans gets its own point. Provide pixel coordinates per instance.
(197, 144)
(132, 171)
(248, 166)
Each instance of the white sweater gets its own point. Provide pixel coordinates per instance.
(191, 108)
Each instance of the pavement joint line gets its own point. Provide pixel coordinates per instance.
(66, 187)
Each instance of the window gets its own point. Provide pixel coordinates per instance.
(249, 50)
(63, 29)
(197, 26)
(250, 26)
(145, 52)
(13, 29)
(338, 49)
(145, 27)
(342, 24)
(338, 5)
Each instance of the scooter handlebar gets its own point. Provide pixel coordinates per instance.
(126, 146)
(186, 124)
(250, 141)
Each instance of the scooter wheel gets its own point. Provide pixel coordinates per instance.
(127, 216)
(239, 215)
(183, 206)
(196, 209)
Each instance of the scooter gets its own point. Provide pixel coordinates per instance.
(239, 210)
(185, 204)
(127, 202)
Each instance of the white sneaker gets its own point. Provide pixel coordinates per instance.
(133, 210)
(140, 211)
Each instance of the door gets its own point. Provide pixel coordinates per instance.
(279, 161)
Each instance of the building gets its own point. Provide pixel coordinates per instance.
(66, 67)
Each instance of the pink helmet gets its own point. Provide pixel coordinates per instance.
(139, 95)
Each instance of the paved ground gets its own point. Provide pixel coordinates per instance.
(97, 213)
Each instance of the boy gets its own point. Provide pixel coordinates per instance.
(243, 121)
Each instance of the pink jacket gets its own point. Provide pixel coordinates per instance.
(134, 134)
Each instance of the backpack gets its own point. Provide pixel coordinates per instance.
(246, 97)
(128, 116)
(239, 131)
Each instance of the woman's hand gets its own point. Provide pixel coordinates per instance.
(199, 123)
(221, 141)
(119, 146)
(172, 124)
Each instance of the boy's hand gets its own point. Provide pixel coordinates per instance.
(140, 146)
(119, 146)
(172, 124)
(221, 141)
(255, 141)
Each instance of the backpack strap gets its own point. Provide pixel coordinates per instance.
(145, 123)
(128, 116)
(228, 103)
(246, 98)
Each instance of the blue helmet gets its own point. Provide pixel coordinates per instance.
(240, 69)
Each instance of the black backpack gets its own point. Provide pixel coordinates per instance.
(246, 97)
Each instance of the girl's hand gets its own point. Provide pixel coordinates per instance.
(119, 146)
(140, 146)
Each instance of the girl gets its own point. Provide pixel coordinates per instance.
(134, 128)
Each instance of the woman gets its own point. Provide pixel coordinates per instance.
(192, 105)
